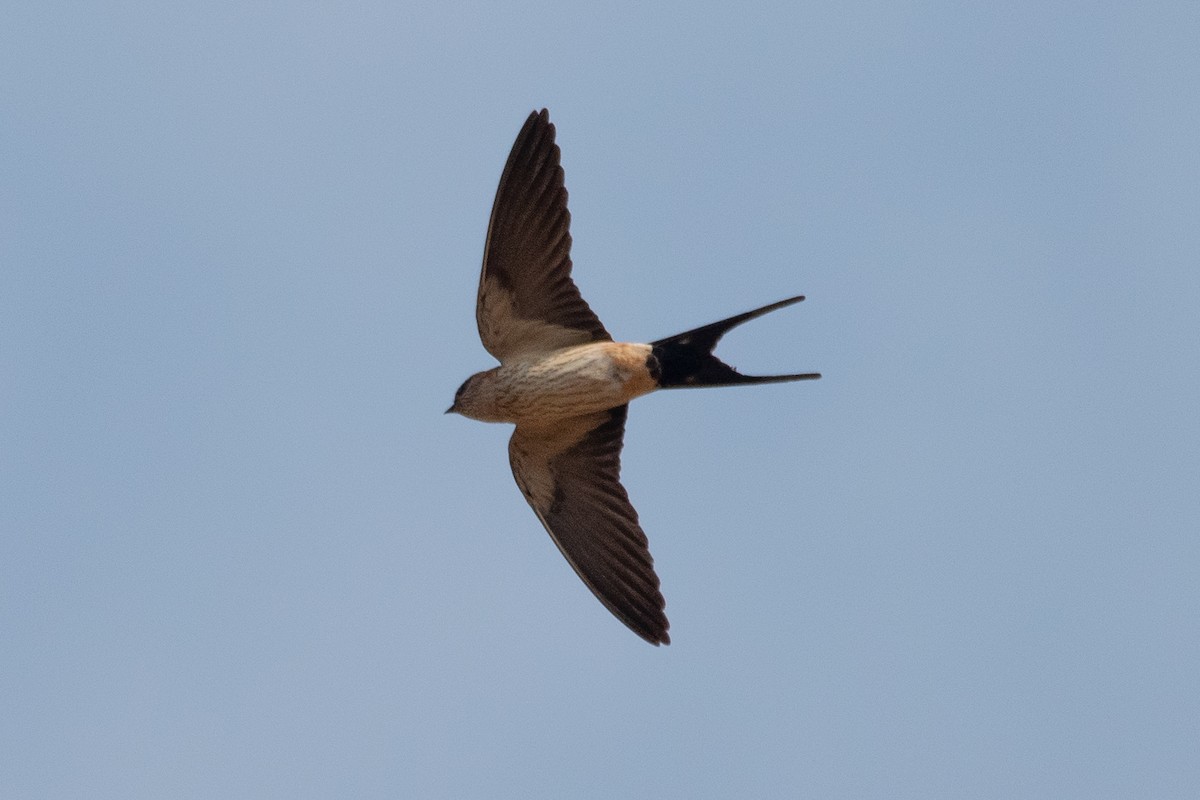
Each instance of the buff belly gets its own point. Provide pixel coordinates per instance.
(577, 380)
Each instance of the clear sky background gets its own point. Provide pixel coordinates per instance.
(243, 554)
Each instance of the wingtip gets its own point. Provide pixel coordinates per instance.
(656, 638)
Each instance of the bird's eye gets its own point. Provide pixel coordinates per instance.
(461, 389)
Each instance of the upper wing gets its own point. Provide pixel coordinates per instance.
(571, 478)
(527, 300)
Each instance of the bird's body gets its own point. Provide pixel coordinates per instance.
(567, 385)
(540, 389)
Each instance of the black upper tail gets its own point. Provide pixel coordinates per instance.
(686, 359)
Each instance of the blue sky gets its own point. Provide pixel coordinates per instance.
(243, 554)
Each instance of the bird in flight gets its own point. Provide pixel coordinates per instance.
(567, 385)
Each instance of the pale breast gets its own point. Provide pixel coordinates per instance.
(573, 381)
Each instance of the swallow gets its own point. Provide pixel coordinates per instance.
(566, 384)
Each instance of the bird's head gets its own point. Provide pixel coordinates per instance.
(471, 399)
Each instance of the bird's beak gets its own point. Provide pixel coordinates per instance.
(449, 410)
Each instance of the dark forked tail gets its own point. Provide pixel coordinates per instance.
(686, 359)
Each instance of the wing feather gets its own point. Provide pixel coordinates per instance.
(527, 301)
(571, 478)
